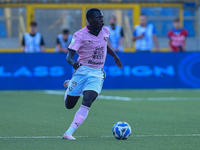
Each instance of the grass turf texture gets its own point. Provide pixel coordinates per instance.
(34, 113)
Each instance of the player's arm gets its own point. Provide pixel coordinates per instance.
(42, 45)
(156, 42)
(136, 37)
(184, 45)
(121, 42)
(58, 45)
(70, 59)
(184, 42)
(169, 45)
(115, 57)
(169, 34)
(23, 44)
(155, 39)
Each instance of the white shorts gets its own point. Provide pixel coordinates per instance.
(86, 78)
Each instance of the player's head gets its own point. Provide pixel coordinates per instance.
(112, 20)
(33, 27)
(176, 23)
(65, 34)
(143, 19)
(95, 18)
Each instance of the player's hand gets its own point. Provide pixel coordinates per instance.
(142, 35)
(76, 65)
(118, 62)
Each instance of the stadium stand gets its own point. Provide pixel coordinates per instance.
(51, 21)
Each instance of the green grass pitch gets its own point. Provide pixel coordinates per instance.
(160, 120)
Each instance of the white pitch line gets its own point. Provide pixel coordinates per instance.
(103, 136)
(120, 98)
(54, 92)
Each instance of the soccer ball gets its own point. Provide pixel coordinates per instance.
(121, 130)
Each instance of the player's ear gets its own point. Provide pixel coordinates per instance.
(90, 20)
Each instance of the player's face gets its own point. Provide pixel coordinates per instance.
(143, 20)
(33, 29)
(176, 25)
(65, 36)
(97, 20)
(112, 21)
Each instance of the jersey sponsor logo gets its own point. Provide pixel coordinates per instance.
(95, 63)
(98, 53)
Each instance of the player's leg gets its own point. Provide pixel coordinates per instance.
(70, 101)
(72, 95)
(88, 98)
(92, 88)
(82, 113)
(74, 91)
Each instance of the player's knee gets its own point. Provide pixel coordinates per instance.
(87, 102)
(89, 97)
(69, 106)
(71, 101)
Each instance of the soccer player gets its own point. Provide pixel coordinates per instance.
(177, 37)
(33, 42)
(144, 36)
(63, 41)
(116, 37)
(91, 45)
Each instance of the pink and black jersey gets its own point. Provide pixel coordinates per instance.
(91, 49)
(177, 38)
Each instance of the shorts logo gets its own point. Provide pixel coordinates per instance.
(74, 84)
(70, 88)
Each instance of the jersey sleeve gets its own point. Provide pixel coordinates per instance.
(23, 41)
(134, 32)
(185, 32)
(57, 41)
(76, 42)
(122, 32)
(169, 34)
(42, 42)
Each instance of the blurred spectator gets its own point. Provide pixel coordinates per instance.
(116, 38)
(177, 37)
(33, 41)
(63, 41)
(144, 36)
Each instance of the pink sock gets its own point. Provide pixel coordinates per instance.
(80, 116)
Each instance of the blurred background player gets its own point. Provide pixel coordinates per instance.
(63, 41)
(144, 36)
(91, 45)
(177, 37)
(33, 42)
(116, 38)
